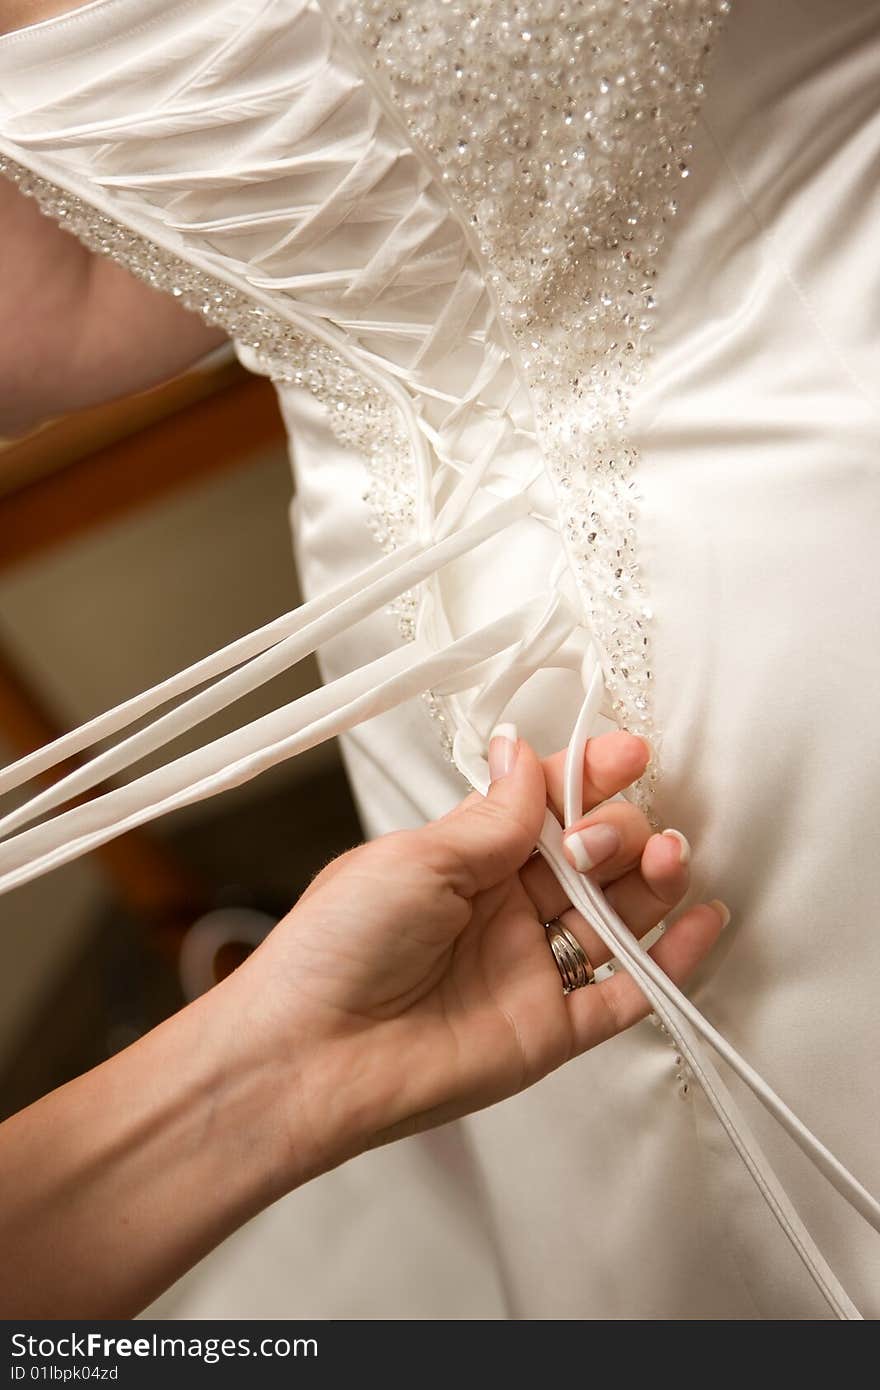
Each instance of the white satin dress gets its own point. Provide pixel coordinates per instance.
(445, 232)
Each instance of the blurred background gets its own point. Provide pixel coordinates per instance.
(135, 539)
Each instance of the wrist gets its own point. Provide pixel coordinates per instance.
(284, 1078)
(169, 1147)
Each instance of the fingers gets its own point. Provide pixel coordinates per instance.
(601, 1011)
(643, 896)
(488, 838)
(615, 852)
(611, 763)
(587, 842)
(644, 875)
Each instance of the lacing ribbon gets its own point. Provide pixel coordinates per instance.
(495, 660)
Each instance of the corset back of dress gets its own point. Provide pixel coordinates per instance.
(444, 222)
(448, 243)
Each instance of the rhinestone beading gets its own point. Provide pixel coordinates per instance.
(561, 129)
(683, 1074)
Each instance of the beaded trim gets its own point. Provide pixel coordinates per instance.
(683, 1074)
(363, 419)
(361, 415)
(560, 128)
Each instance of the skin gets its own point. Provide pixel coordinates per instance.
(86, 330)
(412, 983)
(19, 13)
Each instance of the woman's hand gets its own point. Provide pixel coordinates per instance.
(413, 982)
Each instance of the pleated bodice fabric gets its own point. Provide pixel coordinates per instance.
(242, 155)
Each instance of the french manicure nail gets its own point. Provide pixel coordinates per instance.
(502, 751)
(723, 911)
(685, 849)
(593, 844)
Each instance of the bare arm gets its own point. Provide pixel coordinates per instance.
(78, 329)
(17, 13)
(412, 983)
(118, 1182)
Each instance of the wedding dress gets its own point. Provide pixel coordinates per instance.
(445, 230)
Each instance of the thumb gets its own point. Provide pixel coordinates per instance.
(488, 838)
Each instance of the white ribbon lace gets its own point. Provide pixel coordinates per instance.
(172, 239)
(496, 659)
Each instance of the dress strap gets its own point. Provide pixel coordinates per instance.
(260, 655)
(238, 757)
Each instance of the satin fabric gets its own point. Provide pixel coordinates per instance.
(757, 429)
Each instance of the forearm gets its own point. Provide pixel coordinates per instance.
(119, 1182)
(83, 330)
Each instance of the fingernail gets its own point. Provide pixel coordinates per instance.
(588, 847)
(685, 849)
(723, 911)
(502, 751)
(650, 747)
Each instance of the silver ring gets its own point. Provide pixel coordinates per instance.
(572, 961)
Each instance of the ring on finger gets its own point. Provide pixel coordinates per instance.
(571, 959)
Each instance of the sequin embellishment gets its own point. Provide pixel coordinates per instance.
(561, 129)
